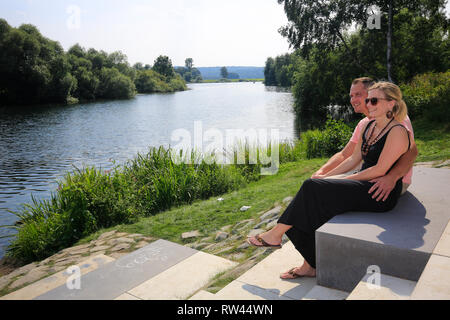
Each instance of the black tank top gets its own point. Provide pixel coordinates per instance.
(372, 156)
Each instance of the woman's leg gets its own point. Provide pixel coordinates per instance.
(316, 202)
(273, 236)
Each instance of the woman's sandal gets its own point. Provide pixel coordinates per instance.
(292, 274)
(264, 244)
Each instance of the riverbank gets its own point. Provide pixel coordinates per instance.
(217, 226)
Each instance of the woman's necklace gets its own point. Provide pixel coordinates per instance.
(369, 142)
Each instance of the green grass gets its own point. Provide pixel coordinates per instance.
(432, 139)
(210, 215)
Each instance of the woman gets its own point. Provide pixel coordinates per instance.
(383, 142)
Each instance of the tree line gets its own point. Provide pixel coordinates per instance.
(36, 70)
(412, 40)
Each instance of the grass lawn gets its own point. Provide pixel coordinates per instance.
(208, 216)
(433, 140)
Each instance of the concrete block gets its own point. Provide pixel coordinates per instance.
(389, 288)
(399, 242)
(434, 283)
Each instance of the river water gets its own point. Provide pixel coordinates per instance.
(38, 145)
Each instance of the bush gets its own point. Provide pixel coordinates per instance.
(428, 95)
(326, 143)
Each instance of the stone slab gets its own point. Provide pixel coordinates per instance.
(389, 288)
(400, 241)
(323, 293)
(443, 246)
(183, 279)
(238, 290)
(266, 274)
(203, 295)
(42, 286)
(127, 296)
(434, 284)
(127, 272)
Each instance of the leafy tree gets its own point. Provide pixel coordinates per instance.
(163, 65)
(114, 85)
(189, 63)
(269, 73)
(323, 23)
(224, 72)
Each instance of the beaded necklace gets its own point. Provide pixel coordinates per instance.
(368, 143)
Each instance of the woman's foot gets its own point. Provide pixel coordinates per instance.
(267, 239)
(304, 271)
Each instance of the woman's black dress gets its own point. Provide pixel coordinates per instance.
(319, 200)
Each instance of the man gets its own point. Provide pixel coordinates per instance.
(403, 168)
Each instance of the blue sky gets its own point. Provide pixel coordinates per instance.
(212, 32)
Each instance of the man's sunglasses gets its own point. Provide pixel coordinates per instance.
(374, 101)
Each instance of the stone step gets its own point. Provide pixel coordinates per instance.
(45, 285)
(237, 290)
(160, 270)
(263, 282)
(323, 293)
(203, 295)
(183, 279)
(399, 242)
(126, 273)
(382, 288)
(434, 284)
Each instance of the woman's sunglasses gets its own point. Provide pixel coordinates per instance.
(374, 101)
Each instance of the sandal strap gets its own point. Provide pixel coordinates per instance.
(265, 244)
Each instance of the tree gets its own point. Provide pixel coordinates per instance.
(224, 72)
(323, 23)
(163, 65)
(189, 63)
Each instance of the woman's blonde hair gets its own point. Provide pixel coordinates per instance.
(393, 92)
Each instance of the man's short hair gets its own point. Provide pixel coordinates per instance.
(366, 81)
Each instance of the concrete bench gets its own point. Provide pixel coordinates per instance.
(399, 242)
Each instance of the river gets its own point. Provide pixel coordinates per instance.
(38, 145)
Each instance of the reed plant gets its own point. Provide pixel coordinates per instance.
(91, 199)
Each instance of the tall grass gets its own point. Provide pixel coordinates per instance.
(90, 199)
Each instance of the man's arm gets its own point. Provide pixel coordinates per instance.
(384, 185)
(336, 160)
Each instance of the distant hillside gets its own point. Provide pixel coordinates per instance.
(209, 73)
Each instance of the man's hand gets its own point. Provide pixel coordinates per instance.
(382, 187)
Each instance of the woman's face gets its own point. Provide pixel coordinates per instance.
(381, 106)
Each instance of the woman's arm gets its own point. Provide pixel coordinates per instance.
(349, 163)
(396, 145)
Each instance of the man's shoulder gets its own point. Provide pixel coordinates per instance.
(363, 122)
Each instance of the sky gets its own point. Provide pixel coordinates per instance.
(211, 32)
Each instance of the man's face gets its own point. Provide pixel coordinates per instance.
(358, 94)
